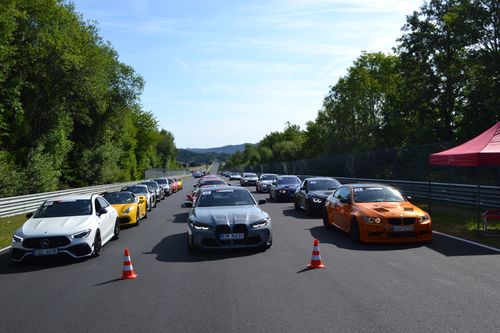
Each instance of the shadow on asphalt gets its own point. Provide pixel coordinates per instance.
(446, 246)
(174, 248)
(292, 212)
(180, 218)
(7, 266)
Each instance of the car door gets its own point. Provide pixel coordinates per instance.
(339, 209)
(301, 194)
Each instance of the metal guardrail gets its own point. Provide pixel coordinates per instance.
(461, 194)
(28, 203)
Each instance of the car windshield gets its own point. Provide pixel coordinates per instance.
(377, 194)
(212, 182)
(268, 177)
(119, 198)
(287, 180)
(151, 185)
(161, 181)
(136, 189)
(250, 175)
(223, 197)
(323, 184)
(64, 208)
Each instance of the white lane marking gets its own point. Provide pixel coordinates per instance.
(468, 241)
(5, 248)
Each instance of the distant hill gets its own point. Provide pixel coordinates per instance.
(194, 159)
(229, 149)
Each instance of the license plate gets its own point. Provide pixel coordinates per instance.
(402, 228)
(231, 236)
(44, 252)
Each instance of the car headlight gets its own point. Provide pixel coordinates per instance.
(199, 226)
(372, 220)
(81, 234)
(128, 210)
(423, 218)
(316, 200)
(283, 191)
(261, 223)
(16, 239)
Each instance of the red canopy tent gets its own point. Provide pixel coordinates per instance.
(483, 150)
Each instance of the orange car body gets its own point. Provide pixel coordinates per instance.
(376, 221)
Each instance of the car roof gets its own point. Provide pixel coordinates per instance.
(358, 185)
(320, 178)
(73, 197)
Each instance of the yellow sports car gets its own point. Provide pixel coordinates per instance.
(180, 185)
(131, 208)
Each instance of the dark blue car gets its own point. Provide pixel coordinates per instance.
(284, 188)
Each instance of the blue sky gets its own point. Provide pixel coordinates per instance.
(229, 72)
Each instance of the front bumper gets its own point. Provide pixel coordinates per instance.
(264, 187)
(64, 245)
(210, 239)
(315, 205)
(384, 233)
(285, 194)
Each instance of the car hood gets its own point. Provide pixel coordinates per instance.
(320, 194)
(228, 215)
(251, 178)
(56, 225)
(390, 209)
(267, 182)
(121, 207)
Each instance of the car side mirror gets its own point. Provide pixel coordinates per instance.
(195, 185)
(102, 211)
(29, 215)
(187, 204)
(303, 188)
(262, 201)
(345, 201)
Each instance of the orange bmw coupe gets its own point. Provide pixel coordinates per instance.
(375, 213)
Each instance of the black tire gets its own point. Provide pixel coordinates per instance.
(308, 209)
(96, 252)
(257, 189)
(146, 215)
(270, 195)
(354, 231)
(268, 244)
(116, 231)
(325, 220)
(137, 218)
(296, 205)
(190, 245)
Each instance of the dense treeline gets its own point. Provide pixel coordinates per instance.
(197, 159)
(441, 84)
(69, 109)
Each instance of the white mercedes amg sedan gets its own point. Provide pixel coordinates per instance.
(77, 226)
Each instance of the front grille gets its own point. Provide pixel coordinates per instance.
(401, 234)
(35, 243)
(240, 228)
(124, 219)
(80, 250)
(17, 254)
(222, 229)
(399, 220)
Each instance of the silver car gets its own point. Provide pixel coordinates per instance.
(248, 178)
(265, 181)
(228, 217)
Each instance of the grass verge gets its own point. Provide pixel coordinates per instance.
(459, 221)
(8, 225)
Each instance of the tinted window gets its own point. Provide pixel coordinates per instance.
(103, 202)
(377, 194)
(119, 198)
(343, 193)
(64, 208)
(323, 184)
(136, 189)
(268, 177)
(212, 182)
(229, 197)
(288, 180)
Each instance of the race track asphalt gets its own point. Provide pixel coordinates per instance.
(447, 286)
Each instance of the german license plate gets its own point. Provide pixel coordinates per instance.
(232, 236)
(44, 252)
(402, 228)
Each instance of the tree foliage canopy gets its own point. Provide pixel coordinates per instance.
(70, 113)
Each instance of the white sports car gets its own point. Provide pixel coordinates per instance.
(77, 226)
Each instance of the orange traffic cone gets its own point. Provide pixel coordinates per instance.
(128, 270)
(316, 257)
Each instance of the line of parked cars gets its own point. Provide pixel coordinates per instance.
(367, 212)
(80, 225)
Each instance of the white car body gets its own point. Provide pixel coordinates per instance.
(248, 178)
(234, 176)
(72, 235)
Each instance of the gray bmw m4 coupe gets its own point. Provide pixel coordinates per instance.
(228, 217)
